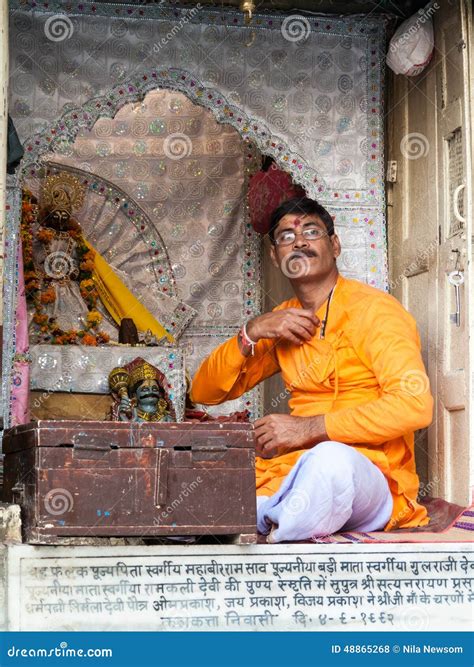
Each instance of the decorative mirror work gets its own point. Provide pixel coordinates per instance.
(86, 369)
(306, 86)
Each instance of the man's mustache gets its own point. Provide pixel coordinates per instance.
(306, 251)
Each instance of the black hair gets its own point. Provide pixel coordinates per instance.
(302, 205)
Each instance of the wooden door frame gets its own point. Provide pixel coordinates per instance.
(397, 88)
(469, 114)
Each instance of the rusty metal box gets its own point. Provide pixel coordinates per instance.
(92, 479)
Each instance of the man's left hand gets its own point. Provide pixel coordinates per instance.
(279, 434)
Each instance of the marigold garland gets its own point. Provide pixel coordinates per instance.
(42, 292)
(94, 317)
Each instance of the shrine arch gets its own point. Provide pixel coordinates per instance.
(65, 129)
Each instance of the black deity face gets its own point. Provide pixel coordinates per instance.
(58, 219)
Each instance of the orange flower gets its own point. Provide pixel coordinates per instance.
(88, 265)
(88, 290)
(45, 235)
(48, 296)
(32, 286)
(40, 318)
(86, 284)
(102, 337)
(87, 339)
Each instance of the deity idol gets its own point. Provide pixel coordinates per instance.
(140, 393)
(58, 270)
(75, 296)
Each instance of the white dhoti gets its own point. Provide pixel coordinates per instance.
(331, 488)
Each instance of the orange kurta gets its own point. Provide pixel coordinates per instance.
(367, 377)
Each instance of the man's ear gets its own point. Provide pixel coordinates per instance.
(273, 257)
(336, 245)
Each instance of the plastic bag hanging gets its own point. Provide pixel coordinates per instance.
(412, 46)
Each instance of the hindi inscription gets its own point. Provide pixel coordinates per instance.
(240, 588)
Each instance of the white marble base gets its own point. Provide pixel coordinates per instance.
(258, 587)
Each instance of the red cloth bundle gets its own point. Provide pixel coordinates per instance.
(267, 190)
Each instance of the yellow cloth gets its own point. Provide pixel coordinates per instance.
(367, 377)
(119, 301)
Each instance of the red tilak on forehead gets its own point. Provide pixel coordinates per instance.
(297, 221)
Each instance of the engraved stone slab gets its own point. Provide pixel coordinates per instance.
(257, 587)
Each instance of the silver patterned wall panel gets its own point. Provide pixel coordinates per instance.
(306, 90)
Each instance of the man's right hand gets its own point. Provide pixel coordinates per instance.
(296, 325)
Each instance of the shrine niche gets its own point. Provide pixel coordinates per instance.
(164, 149)
(101, 249)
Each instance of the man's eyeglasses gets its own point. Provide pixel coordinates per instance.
(310, 234)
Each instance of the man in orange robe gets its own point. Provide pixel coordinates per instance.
(350, 358)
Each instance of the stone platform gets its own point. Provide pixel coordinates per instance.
(230, 587)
